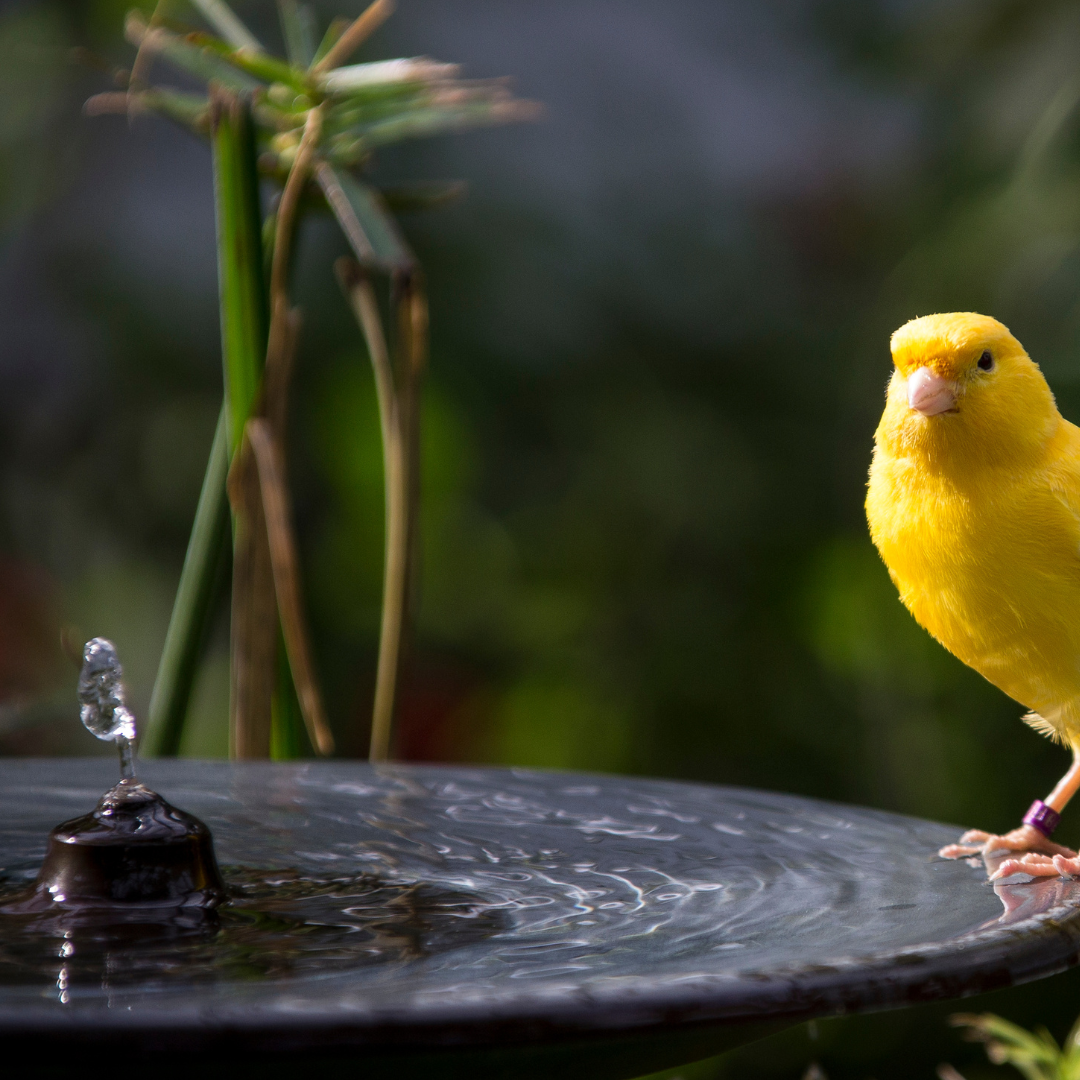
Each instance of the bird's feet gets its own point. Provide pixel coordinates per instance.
(1037, 854)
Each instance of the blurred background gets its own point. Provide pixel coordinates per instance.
(660, 326)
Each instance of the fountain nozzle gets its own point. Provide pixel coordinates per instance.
(134, 848)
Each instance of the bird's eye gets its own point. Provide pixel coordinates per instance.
(986, 361)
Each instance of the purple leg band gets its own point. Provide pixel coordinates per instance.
(1042, 817)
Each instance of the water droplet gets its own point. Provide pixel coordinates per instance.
(104, 712)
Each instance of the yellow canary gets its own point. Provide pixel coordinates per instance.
(974, 505)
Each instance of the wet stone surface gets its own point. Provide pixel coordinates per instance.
(397, 900)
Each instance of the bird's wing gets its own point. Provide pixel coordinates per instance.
(1064, 482)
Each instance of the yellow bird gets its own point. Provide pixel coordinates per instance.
(974, 505)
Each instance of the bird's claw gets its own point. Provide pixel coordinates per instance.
(959, 851)
(1039, 866)
(973, 842)
(1036, 854)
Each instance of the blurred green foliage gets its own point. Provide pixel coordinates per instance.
(660, 324)
(32, 78)
(1036, 1055)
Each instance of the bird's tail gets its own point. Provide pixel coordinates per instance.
(1046, 727)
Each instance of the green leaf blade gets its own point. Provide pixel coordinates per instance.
(190, 110)
(368, 226)
(299, 30)
(201, 582)
(201, 61)
(223, 19)
(330, 39)
(265, 68)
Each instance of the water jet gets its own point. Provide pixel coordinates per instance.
(134, 848)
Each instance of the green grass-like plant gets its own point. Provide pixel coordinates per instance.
(1035, 1054)
(305, 126)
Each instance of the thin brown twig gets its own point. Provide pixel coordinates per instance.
(277, 377)
(280, 345)
(361, 296)
(280, 535)
(357, 287)
(267, 587)
(112, 101)
(413, 326)
(268, 488)
(277, 370)
(339, 203)
(290, 197)
(418, 324)
(355, 34)
(945, 1071)
(275, 502)
(144, 57)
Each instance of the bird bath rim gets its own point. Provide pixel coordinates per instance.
(555, 839)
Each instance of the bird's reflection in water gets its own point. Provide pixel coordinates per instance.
(1023, 896)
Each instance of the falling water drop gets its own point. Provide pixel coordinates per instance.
(104, 712)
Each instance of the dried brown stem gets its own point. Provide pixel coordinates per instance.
(361, 296)
(398, 390)
(286, 573)
(355, 35)
(254, 650)
(280, 360)
(144, 57)
(286, 212)
(266, 555)
(262, 574)
(413, 329)
(112, 102)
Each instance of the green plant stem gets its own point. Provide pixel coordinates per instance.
(243, 340)
(242, 294)
(266, 588)
(193, 608)
(244, 330)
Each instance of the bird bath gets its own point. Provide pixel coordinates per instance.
(498, 922)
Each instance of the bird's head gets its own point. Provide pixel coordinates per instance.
(964, 391)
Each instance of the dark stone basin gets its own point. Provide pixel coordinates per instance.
(133, 848)
(490, 922)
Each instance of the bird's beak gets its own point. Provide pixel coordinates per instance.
(930, 394)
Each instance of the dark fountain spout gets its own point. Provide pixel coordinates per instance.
(134, 849)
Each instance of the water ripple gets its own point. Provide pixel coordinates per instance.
(628, 891)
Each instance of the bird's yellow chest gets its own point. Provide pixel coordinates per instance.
(989, 569)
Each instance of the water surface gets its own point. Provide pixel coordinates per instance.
(400, 896)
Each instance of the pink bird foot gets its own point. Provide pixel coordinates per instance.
(1040, 856)
(1039, 866)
